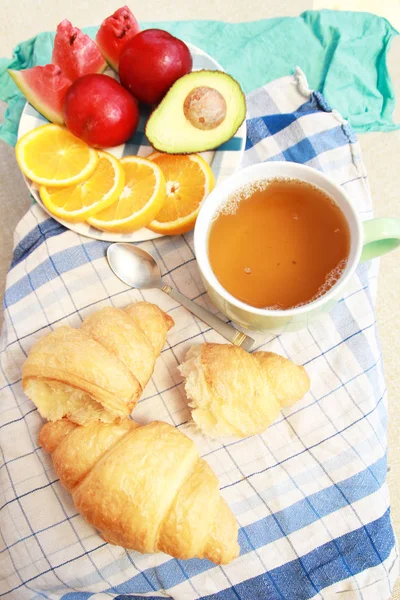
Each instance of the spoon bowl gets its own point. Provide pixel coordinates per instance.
(134, 266)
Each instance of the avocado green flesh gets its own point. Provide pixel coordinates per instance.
(168, 129)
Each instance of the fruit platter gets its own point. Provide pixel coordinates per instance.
(123, 137)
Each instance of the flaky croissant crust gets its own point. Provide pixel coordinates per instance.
(96, 372)
(234, 393)
(144, 488)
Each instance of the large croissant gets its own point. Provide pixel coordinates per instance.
(238, 394)
(99, 370)
(144, 488)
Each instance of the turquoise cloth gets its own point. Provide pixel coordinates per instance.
(343, 55)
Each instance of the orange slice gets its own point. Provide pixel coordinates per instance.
(51, 155)
(80, 201)
(189, 180)
(142, 198)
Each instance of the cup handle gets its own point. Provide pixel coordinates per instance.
(380, 236)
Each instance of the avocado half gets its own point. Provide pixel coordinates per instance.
(201, 111)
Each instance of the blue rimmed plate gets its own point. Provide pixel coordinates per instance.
(223, 161)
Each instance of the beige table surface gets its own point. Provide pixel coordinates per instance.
(21, 19)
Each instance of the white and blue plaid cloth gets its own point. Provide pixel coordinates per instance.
(310, 494)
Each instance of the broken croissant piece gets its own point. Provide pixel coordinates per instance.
(144, 488)
(96, 372)
(238, 394)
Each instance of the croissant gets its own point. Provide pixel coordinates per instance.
(143, 488)
(96, 372)
(238, 394)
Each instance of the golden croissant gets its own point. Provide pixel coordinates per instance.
(144, 488)
(238, 394)
(99, 370)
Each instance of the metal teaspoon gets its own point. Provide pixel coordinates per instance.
(138, 269)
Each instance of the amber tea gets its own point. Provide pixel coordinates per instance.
(278, 243)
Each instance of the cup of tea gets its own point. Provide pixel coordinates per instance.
(277, 242)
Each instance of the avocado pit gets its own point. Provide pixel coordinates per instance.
(205, 108)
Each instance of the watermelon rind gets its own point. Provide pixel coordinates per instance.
(41, 99)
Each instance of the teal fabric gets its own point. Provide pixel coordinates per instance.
(343, 55)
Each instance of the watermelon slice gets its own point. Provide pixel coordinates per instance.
(114, 33)
(75, 52)
(45, 88)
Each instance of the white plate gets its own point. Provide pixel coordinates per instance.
(224, 160)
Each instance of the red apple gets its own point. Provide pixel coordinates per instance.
(100, 111)
(151, 62)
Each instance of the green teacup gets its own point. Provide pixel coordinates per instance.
(368, 240)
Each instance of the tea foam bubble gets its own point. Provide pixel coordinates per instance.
(231, 204)
(330, 280)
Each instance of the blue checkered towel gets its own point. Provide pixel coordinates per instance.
(310, 494)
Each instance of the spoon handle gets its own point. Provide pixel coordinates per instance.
(227, 331)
